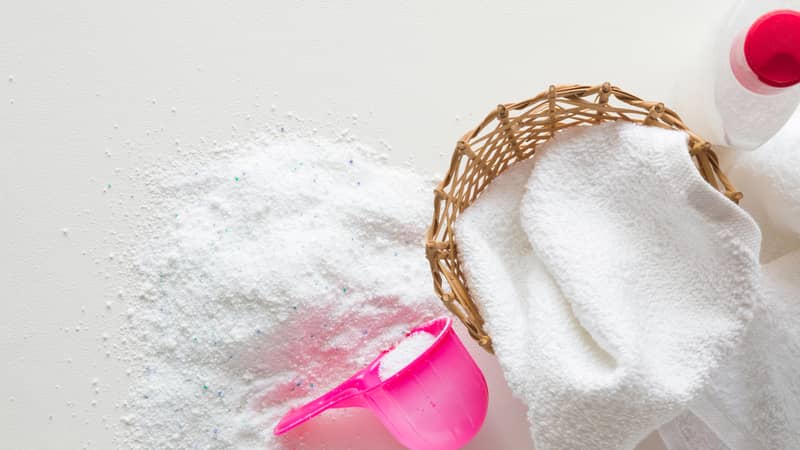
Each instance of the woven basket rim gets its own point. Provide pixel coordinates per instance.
(510, 133)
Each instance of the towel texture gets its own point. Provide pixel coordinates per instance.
(753, 401)
(758, 391)
(689, 432)
(769, 177)
(613, 280)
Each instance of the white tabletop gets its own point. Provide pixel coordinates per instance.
(88, 88)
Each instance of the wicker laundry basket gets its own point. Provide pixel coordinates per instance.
(511, 133)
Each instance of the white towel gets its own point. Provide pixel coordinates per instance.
(688, 432)
(769, 177)
(612, 279)
(753, 402)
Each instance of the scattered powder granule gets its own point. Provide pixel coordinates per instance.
(262, 275)
(404, 353)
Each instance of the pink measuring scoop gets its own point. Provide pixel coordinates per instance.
(436, 402)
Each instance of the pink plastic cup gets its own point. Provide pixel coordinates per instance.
(437, 402)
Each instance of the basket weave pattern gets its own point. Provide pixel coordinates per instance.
(511, 133)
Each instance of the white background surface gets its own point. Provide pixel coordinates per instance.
(89, 87)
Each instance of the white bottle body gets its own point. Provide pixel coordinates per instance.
(724, 102)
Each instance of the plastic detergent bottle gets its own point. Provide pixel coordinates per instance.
(748, 87)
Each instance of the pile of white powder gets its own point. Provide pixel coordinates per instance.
(404, 353)
(265, 274)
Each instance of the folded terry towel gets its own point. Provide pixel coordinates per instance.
(753, 401)
(689, 432)
(770, 180)
(613, 280)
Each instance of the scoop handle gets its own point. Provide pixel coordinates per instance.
(345, 395)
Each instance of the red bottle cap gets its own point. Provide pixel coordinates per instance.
(772, 48)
